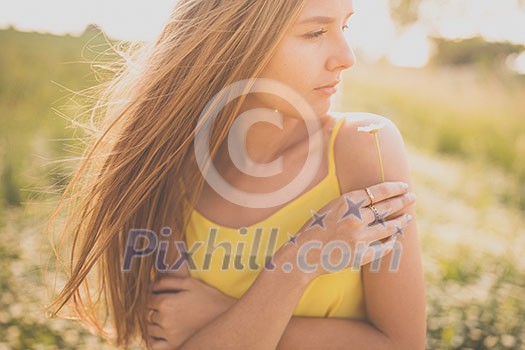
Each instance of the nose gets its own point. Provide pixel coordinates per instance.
(343, 56)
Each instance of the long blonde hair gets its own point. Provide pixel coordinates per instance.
(147, 118)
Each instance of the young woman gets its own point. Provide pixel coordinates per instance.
(180, 202)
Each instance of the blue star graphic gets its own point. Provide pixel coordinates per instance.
(318, 219)
(380, 219)
(399, 231)
(292, 239)
(353, 209)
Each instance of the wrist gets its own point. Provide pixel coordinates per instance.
(285, 265)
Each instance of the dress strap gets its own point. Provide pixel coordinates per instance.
(335, 129)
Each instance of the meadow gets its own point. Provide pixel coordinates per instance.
(464, 131)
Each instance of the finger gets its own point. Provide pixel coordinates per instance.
(156, 331)
(182, 271)
(385, 229)
(157, 343)
(171, 285)
(150, 314)
(395, 204)
(378, 250)
(379, 192)
(156, 301)
(159, 302)
(357, 212)
(154, 320)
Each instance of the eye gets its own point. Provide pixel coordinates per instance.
(316, 34)
(321, 32)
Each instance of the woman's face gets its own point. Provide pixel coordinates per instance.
(313, 54)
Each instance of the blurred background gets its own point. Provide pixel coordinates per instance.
(450, 74)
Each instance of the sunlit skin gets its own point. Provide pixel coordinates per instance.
(312, 54)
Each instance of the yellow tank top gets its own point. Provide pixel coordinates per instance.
(338, 294)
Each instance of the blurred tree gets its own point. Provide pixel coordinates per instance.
(404, 12)
(473, 51)
(92, 29)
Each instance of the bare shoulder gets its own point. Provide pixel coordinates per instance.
(356, 152)
(400, 314)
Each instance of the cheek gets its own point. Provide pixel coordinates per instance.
(294, 65)
(299, 66)
(300, 71)
(294, 76)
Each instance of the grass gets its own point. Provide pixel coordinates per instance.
(452, 112)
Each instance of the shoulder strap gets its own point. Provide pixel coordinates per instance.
(338, 123)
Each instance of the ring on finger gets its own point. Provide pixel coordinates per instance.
(370, 195)
(376, 215)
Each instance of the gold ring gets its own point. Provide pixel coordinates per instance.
(370, 195)
(150, 315)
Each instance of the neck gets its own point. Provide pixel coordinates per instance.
(262, 135)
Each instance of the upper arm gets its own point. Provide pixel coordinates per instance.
(395, 300)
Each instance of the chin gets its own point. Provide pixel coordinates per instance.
(322, 108)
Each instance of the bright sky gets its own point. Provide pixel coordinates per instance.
(370, 28)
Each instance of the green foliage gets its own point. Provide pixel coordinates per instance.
(38, 73)
(475, 302)
(452, 112)
(473, 51)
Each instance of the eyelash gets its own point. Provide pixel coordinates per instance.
(319, 33)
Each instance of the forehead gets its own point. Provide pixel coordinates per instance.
(325, 8)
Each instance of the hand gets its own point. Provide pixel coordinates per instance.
(350, 220)
(178, 307)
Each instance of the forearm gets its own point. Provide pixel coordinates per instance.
(331, 333)
(258, 319)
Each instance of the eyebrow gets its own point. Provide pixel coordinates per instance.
(322, 19)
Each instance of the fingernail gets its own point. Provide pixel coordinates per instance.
(405, 186)
(411, 196)
(409, 217)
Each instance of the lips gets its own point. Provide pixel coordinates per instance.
(329, 89)
(330, 85)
